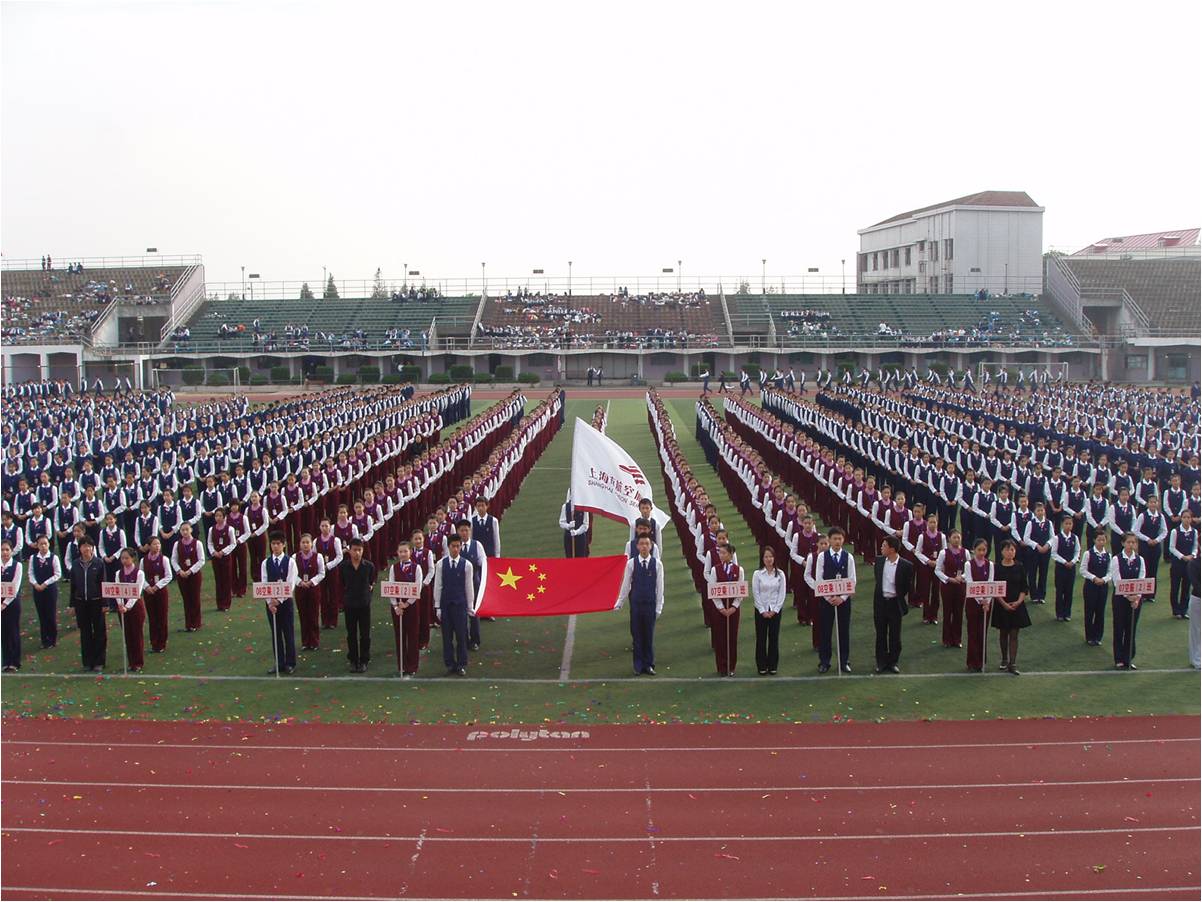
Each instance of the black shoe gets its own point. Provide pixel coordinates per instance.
(650, 671)
(1132, 666)
(771, 673)
(847, 668)
(1119, 665)
(1005, 665)
(893, 668)
(823, 668)
(475, 646)
(451, 671)
(878, 669)
(763, 673)
(461, 671)
(289, 670)
(272, 672)
(1013, 669)
(98, 669)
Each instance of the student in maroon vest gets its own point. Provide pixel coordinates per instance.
(308, 501)
(238, 572)
(256, 525)
(805, 540)
(424, 556)
(222, 541)
(329, 546)
(909, 537)
(157, 570)
(927, 547)
(310, 574)
(133, 610)
(977, 610)
(188, 560)
(724, 625)
(406, 612)
(277, 508)
(292, 523)
(949, 570)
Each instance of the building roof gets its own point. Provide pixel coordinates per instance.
(980, 199)
(1147, 241)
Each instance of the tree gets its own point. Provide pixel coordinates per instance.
(234, 296)
(306, 292)
(378, 291)
(744, 287)
(331, 292)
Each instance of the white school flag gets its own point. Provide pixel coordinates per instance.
(606, 480)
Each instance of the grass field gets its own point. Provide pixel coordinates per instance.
(218, 673)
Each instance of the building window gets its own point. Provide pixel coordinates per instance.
(947, 248)
(908, 249)
(922, 246)
(947, 284)
(894, 258)
(874, 261)
(934, 285)
(934, 250)
(863, 263)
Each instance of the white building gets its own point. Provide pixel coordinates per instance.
(991, 240)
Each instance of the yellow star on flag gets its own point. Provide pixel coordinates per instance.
(534, 568)
(530, 597)
(509, 578)
(542, 589)
(542, 577)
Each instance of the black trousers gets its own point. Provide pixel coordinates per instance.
(575, 546)
(1125, 623)
(10, 635)
(1065, 579)
(1039, 565)
(767, 641)
(1095, 612)
(1179, 586)
(887, 618)
(827, 614)
(358, 634)
(284, 633)
(93, 635)
(454, 636)
(46, 603)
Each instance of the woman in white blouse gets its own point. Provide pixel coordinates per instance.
(768, 593)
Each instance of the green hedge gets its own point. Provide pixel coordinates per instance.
(393, 379)
(369, 375)
(411, 372)
(503, 374)
(281, 375)
(347, 379)
(217, 379)
(461, 372)
(675, 377)
(323, 374)
(258, 379)
(439, 379)
(482, 377)
(194, 376)
(243, 374)
(529, 378)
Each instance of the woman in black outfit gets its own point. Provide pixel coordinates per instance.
(1010, 613)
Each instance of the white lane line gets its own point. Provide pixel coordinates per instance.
(569, 644)
(707, 680)
(54, 891)
(571, 790)
(578, 749)
(598, 840)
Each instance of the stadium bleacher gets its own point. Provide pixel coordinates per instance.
(60, 305)
(907, 318)
(340, 323)
(1166, 289)
(620, 320)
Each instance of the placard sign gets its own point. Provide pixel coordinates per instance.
(728, 590)
(986, 589)
(1129, 587)
(272, 590)
(119, 590)
(829, 588)
(390, 589)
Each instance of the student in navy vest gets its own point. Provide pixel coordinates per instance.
(1038, 537)
(280, 568)
(1066, 551)
(835, 563)
(575, 526)
(1125, 609)
(453, 582)
(169, 522)
(1183, 551)
(45, 572)
(10, 619)
(1095, 572)
(643, 586)
(1151, 528)
(473, 551)
(1122, 521)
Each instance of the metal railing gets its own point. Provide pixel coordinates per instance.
(136, 262)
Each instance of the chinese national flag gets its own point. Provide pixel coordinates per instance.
(543, 587)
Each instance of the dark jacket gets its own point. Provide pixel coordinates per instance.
(904, 581)
(357, 583)
(85, 580)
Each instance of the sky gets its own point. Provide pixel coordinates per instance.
(288, 137)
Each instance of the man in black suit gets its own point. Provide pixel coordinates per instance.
(894, 579)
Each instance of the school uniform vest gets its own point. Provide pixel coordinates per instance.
(89, 479)
(221, 537)
(41, 569)
(1174, 502)
(66, 516)
(307, 567)
(46, 495)
(291, 494)
(187, 509)
(1098, 509)
(111, 542)
(895, 518)
(404, 573)
(1124, 519)
(144, 530)
(1187, 541)
(210, 500)
(454, 587)
(276, 572)
(1068, 546)
(12, 535)
(169, 517)
(1129, 569)
(1151, 526)
(1195, 506)
(1098, 564)
(1041, 533)
(154, 569)
(1145, 490)
(980, 570)
(643, 582)
(345, 533)
(148, 487)
(482, 532)
(832, 569)
(1122, 481)
(189, 553)
(23, 503)
(256, 517)
(8, 572)
(130, 577)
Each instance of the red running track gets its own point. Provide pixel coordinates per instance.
(1097, 808)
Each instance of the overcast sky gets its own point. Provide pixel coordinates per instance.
(288, 136)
